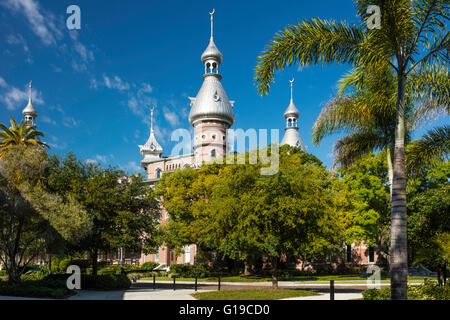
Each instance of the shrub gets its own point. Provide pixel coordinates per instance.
(105, 282)
(66, 262)
(140, 275)
(38, 274)
(428, 291)
(201, 270)
(149, 265)
(117, 269)
(39, 289)
(98, 282)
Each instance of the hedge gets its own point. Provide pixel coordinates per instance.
(53, 288)
(98, 282)
(201, 270)
(428, 291)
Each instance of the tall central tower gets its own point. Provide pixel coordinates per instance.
(211, 112)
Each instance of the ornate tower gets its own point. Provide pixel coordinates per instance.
(291, 136)
(30, 112)
(211, 112)
(151, 150)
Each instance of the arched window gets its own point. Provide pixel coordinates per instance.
(290, 122)
(158, 173)
(213, 153)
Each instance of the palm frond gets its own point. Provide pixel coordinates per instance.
(424, 153)
(352, 147)
(430, 88)
(309, 43)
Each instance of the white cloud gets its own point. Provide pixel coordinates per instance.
(138, 94)
(171, 117)
(56, 144)
(43, 24)
(93, 84)
(49, 29)
(19, 40)
(116, 83)
(147, 88)
(133, 167)
(70, 122)
(15, 98)
(47, 119)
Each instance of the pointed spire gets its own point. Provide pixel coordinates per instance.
(151, 150)
(292, 87)
(30, 94)
(212, 53)
(30, 112)
(151, 119)
(212, 23)
(292, 110)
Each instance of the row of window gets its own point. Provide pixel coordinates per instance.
(214, 137)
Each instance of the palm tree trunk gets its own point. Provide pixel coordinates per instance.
(390, 170)
(399, 257)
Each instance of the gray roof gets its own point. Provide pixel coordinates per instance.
(211, 101)
(29, 109)
(212, 52)
(291, 111)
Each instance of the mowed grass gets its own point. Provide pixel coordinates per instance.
(306, 279)
(253, 294)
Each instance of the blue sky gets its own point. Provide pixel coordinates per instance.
(91, 86)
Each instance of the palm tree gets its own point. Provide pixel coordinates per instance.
(367, 114)
(22, 134)
(411, 36)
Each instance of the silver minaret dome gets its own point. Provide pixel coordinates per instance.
(29, 111)
(291, 136)
(212, 102)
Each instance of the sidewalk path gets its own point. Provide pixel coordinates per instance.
(337, 296)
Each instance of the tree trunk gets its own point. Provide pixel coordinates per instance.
(439, 277)
(94, 257)
(398, 250)
(274, 263)
(246, 268)
(445, 273)
(390, 170)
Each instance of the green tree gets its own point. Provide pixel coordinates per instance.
(242, 214)
(32, 219)
(429, 221)
(412, 35)
(123, 210)
(367, 184)
(21, 134)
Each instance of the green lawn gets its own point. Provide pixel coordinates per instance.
(253, 294)
(303, 279)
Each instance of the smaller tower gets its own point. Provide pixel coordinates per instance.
(151, 150)
(30, 112)
(291, 136)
